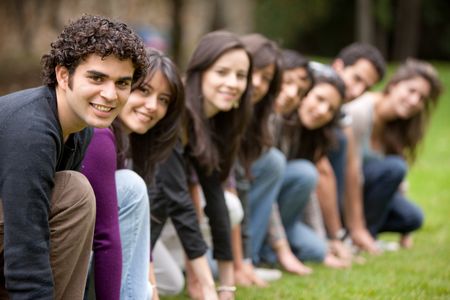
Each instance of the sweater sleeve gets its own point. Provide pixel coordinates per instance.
(99, 166)
(28, 155)
(171, 193)
(217, 212)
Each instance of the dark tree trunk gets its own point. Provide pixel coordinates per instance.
(365, 21)
(406, 30)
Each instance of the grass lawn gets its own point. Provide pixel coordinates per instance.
(420, 273)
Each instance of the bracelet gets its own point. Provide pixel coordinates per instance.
(226, 288)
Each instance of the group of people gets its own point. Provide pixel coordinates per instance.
(283, 160)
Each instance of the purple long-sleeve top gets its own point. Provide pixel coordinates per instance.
(99, 166)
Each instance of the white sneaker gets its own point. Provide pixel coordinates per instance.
(387, 245)
(268, 274)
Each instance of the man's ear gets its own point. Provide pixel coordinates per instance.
(62, 76)
(338, 64)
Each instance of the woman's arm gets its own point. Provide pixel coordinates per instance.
(99, 166)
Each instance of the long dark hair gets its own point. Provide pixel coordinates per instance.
(313, 144)
(402, 136)
(258, 136)
(214, 142)
(154, 146)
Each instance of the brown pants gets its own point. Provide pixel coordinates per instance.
(72, 218)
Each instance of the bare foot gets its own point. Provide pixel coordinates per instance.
(406, 241)
(362, 239)
(253, 277)
(334, 262)
(358, 259)
(241, 278)
(292, 264)
(340, 250)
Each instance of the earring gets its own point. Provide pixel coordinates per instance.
(236, 104)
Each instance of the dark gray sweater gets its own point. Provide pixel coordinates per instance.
(31, 151)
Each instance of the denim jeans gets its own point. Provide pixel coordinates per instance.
(299, 181)
(134, 221)
(403, 216)
(338, 160)
(267, 174)
(385, 208)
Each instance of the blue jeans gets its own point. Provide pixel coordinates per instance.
(403, 216)
(267, 174)
(385, 209)
(300, 179)
(338, 160)
(134, 221)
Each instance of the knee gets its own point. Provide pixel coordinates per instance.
(175, 287)
(306, 173)
(131, 190)
(235, 210)
(80, 193)
(396, 168)
(415, 219)
(313, 250)
(273, 162)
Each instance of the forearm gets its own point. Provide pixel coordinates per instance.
(236, 243)
(353, 207)
(327, 196)
(202, 271)
(226, 273)
(353, 204)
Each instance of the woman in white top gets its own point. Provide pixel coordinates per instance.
(388, 127)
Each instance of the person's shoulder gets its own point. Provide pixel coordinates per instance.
(363, 101)
(22, 97)
(27, 103)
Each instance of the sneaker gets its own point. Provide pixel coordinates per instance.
(268, 274)
(388, 246)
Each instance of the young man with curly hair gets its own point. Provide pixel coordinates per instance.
(47, 210)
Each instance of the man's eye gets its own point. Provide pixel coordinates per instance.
(96, 78)
(123, 84)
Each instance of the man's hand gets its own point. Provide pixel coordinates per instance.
(365, 241)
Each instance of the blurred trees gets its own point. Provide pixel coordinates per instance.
(399, 28)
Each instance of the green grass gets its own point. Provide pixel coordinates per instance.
(422, 272)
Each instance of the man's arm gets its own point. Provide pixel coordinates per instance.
(28, 156)
(353, 204)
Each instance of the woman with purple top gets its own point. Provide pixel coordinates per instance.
(119, 163)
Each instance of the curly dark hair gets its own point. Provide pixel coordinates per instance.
(356, 51)
(154, 146)
(93, 35)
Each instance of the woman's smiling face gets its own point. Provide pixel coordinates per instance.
(319, 106)
(408, 96)
(147, 104)
(224, 82)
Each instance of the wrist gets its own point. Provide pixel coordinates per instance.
(340, 235)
